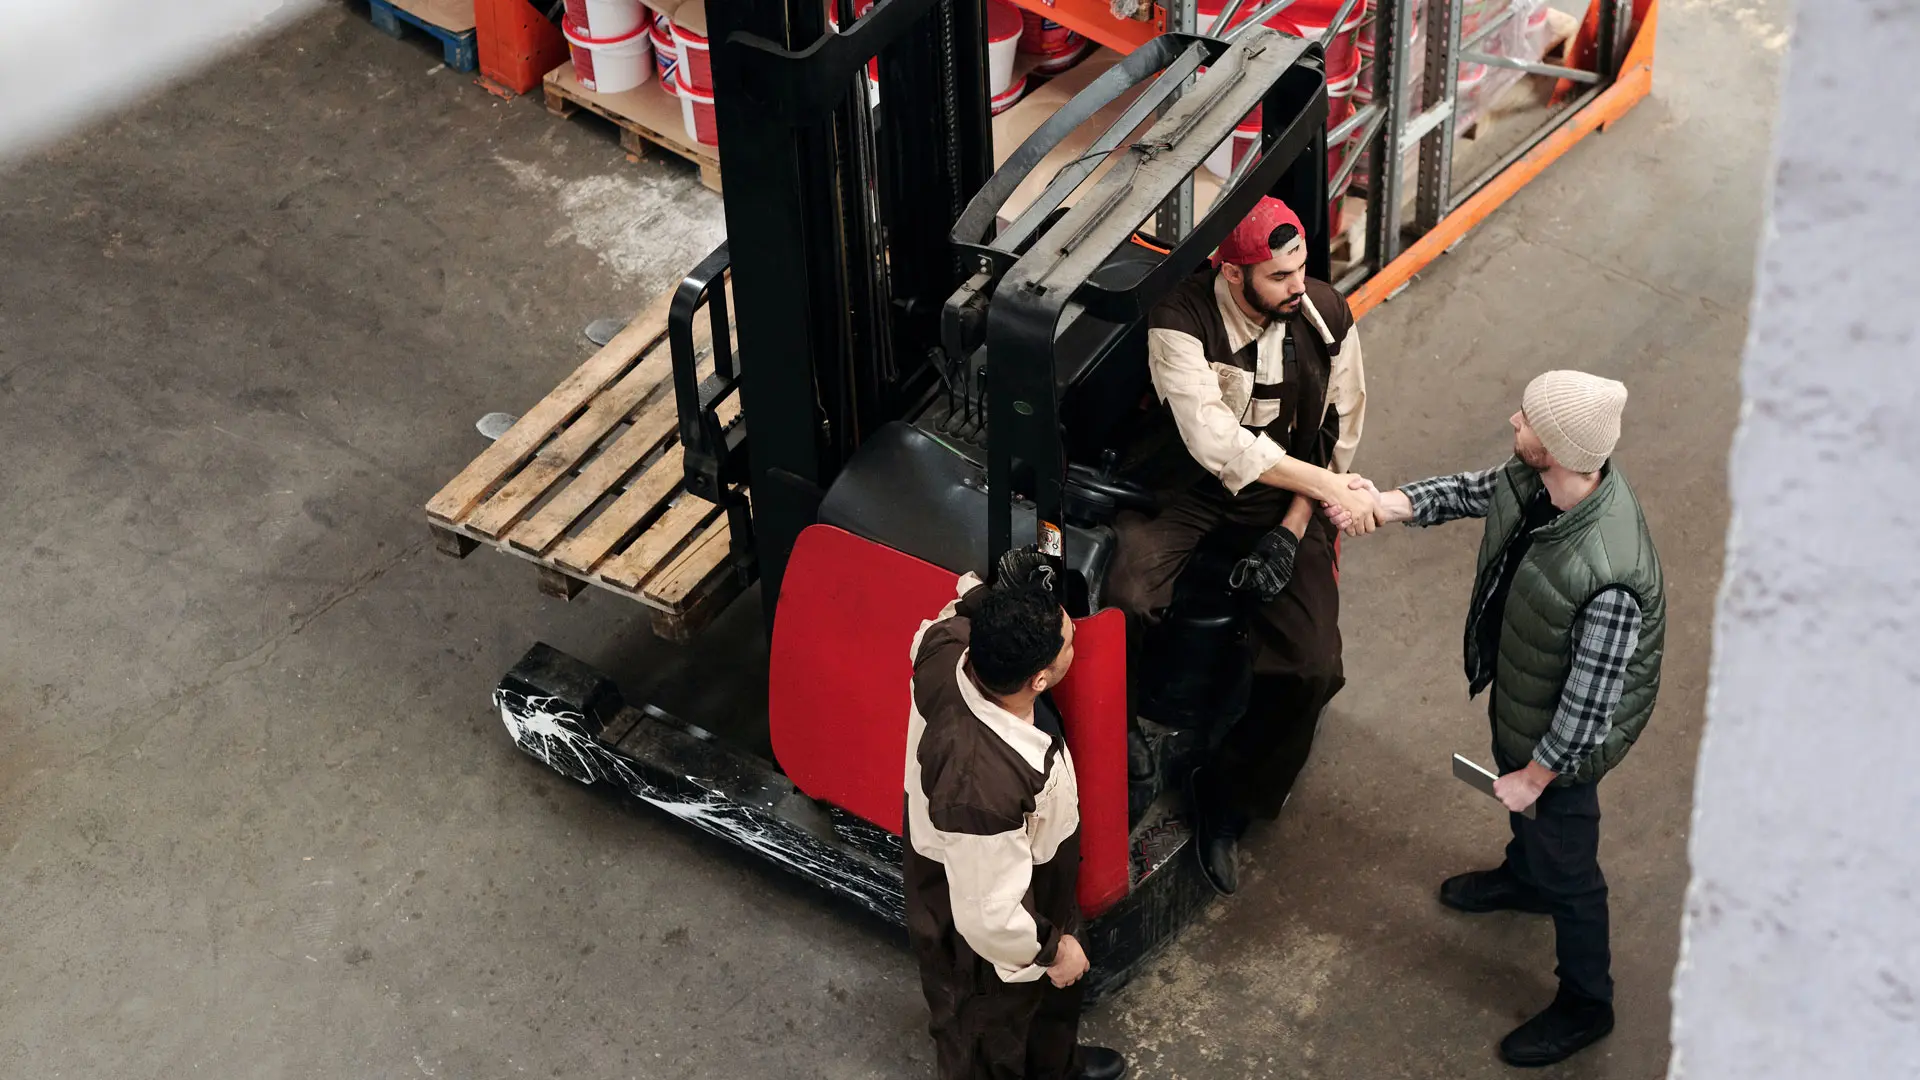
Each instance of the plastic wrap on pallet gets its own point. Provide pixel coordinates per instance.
(1524, 36)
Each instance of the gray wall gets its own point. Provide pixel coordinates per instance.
(62, 64)
(1801, 955)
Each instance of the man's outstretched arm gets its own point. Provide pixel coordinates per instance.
(1429, 502)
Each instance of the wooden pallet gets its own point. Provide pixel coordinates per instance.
(645, 116)
(450, 22)
(588, 486)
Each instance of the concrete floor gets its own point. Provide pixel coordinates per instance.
(255, 815)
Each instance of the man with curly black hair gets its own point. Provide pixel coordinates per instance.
(993, 837)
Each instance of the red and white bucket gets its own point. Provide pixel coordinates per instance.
(1466, 92)
(1042, 36)
(1005, 26)
(610, 65)
(1074, 50)
(1303, 20)
(690, 40)
(606, 18)
(1246, 135)
(1341, 85)
(666, 56)
(1008, 98)
(696, 112)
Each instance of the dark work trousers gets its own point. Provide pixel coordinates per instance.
(1557, 853)
(1297, 666)
(985, 1029)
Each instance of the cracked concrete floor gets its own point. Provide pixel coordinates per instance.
(256, 819)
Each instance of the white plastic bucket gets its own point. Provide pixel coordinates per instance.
(1004, 26)
(1008, 98)
(610, 18)
(1220, 162)
(610, 66)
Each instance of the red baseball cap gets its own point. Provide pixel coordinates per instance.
(1246, 245)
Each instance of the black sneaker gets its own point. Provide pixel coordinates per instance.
(1215, 842)
(1491, 890)
(1569, 1025)
(1100, 1063)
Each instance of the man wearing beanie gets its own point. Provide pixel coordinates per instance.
(1258, 367)
(1566, 625)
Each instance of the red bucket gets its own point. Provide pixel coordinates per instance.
(1341, 85)
(696, 113)
(1343, 51)
(1042, 36)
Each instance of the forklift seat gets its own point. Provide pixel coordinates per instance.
(914, 493)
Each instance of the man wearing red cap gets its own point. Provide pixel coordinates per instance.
(1259, 367)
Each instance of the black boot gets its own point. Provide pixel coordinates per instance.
(1216, 837)
(1490, 890)
(1569, 1025)
(1100, 1063)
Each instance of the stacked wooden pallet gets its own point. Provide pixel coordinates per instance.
(588, 486)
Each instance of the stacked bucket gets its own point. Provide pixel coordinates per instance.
(619, 45)
(611, 42)
(693, 71)
(1006, 40)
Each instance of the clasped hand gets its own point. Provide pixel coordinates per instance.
(1356, 510)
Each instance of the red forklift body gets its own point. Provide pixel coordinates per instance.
(837, 694)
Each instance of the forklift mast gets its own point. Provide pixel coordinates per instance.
(838, 237)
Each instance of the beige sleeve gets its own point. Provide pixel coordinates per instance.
(1212, 433)
(987, 881)
(969, 581)
(1347, 395)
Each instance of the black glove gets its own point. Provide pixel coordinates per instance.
(1022, 568)
(1265, 573)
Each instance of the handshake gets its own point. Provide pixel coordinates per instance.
(1360, 507)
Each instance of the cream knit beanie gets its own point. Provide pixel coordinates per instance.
(1577, 417)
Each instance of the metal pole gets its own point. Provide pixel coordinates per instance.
(1436, 148)
(1391, 31)
(1615, 15)
(1550, 70)
(1486, 31)
(1175, 218)
(1225, 18)
(1260, 15)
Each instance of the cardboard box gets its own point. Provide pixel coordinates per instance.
(453, 15)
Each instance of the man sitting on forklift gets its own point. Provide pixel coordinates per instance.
(1260, 367)
(992, 858)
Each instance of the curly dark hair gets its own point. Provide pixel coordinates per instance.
(1014, 635)
(1281, 236)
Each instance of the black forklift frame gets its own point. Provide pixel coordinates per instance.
(1020, 281)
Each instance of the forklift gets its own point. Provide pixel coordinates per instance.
(924, 379)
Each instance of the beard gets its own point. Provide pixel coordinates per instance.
(1271, 311)
(1534, 457)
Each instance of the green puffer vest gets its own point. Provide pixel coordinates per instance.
(1601, 543)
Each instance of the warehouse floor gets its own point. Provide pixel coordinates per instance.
(255, 815)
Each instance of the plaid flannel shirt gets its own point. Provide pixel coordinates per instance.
(1605, 633)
